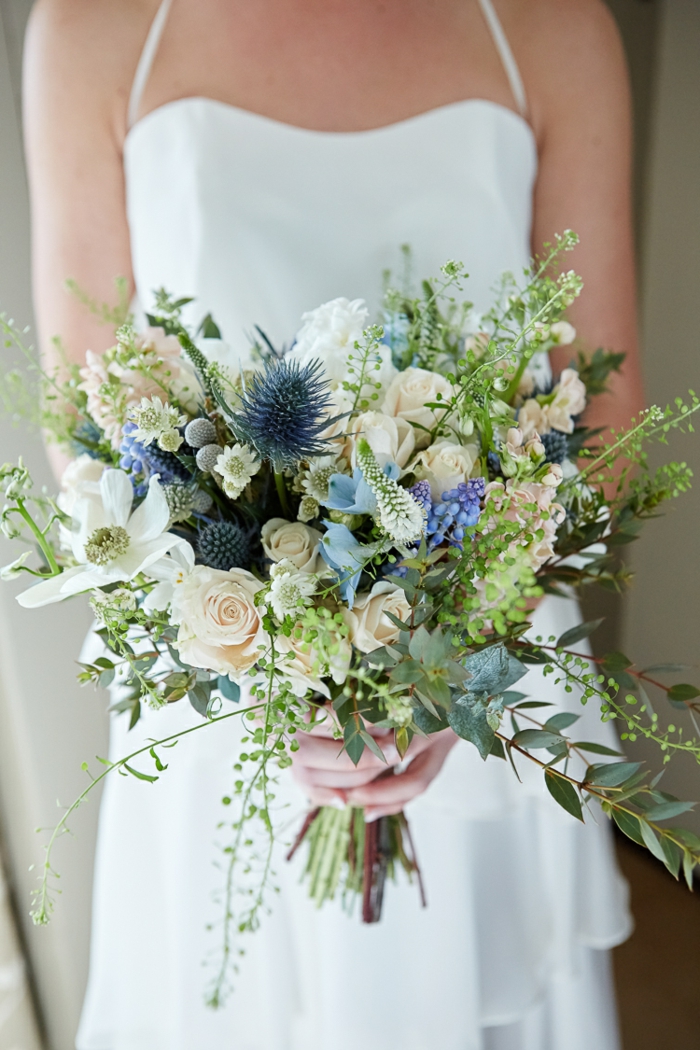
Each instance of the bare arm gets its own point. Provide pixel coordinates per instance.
(581, 110)
(77, 73)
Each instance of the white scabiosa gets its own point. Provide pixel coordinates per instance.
(290, 589)
(236, 465)
(401, 517)
(156, 421)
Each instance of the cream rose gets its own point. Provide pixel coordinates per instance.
(80, 478)
(369, 626)
(408, 395)
(293, 540)
(391, 440)
(445, 465)
(219, 625)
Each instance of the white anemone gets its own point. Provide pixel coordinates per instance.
(110, 543)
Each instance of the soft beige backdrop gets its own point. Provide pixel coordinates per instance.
(48, 726)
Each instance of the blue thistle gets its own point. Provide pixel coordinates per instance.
(224, 545)
(556, 446)
(284, 412)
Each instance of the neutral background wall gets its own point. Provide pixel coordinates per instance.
(48, 727)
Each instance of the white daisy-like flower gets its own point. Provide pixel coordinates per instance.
(290, 589)
(154, 420)
(308, 509)
(236, 465)
(111, 542)
(320, 472)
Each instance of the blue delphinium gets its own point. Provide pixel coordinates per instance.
(284, 411)
(352, 495)
(342, 553)
(396, 327)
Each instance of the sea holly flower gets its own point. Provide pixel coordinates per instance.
(110, 541)
(284, 412)
(236, 465)
(400, 515)
(156, 421)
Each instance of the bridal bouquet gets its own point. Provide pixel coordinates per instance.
(351, 531)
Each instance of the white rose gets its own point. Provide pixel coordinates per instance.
(369, 626)
(218, 352)
(293, 540)
(445, 465)
(391, 440)
(329, 333)
(220, 626)
(305, 671)
(408, 395)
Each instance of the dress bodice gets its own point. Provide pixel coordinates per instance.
(260, 221)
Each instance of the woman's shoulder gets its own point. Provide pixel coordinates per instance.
(570, 54)
(83, 53)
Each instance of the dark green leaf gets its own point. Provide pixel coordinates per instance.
(561, 721)
(628, 825)
(576, 634)
(672, 856)
(429, 723)
(354, 744)
(666, 669)
(469, 723)
(611, 774)
(683, 692)
(228, 689)
(596, 749)
(493, 670)
(372, 744)
(651, 841)
(666, 810)
(563, 792)
(497, 749)
(615, 662)
(536, 738)
(199, 698)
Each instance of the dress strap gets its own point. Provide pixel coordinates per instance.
(143, 69)
(507, 57)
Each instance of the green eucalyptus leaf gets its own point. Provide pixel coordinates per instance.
(651, 841)
(428, 722)
(596, 749)
(666, 810)
(611, 774)
(563, 792)
(683, 692)
(576, 634)
(561, 721)
(628, 825)
(469, 723)
(536, 738)
(228, 689)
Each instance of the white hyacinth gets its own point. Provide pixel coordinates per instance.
(290, 589)
(401, 517)
(236, 465)
(156, 421)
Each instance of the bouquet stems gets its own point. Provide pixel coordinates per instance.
(347, 853)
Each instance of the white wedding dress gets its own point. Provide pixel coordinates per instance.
(261, 221)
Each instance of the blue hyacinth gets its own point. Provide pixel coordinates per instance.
(284, 412)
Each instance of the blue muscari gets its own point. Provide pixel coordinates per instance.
(448, 518)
